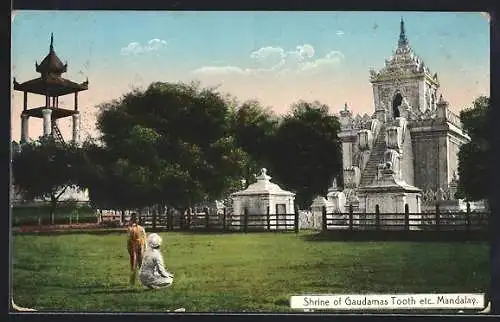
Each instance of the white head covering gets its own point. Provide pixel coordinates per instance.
(154, 240)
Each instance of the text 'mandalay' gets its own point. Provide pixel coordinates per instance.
(388, 301)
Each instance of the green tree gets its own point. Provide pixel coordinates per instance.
(45, 169)
(306, 151)
(474, 156)
(170, 144)
(254, 128)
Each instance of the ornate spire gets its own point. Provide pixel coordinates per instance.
(51, 49)
(51, 64)
(334, 186)
(263, 175)
(403, 41)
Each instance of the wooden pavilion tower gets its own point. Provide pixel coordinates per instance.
(52, 85)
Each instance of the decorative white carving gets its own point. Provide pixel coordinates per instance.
(351, 177)
(374, 126)
(393, 138)
(441, 194)
(365, 140)
(392, 158)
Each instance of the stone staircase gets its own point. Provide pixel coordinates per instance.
(376, 157)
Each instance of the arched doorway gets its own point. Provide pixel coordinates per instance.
(396, 102)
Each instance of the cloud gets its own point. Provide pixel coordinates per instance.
(266, 53)
(332, 59)
(135, 48)
(339, 33)
(214, 70)
(278, 60)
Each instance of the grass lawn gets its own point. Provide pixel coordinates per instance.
(235, 272)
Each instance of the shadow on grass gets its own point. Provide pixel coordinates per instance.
(331, 235)
(118, 291)
(282, 302)
(228, 232)
(420, 236)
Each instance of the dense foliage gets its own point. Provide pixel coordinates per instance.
(44, 169)
(475, 155)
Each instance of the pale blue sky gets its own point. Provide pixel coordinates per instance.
(338, 49)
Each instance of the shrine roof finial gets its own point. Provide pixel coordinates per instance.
(51, 64)
(403, 41)
(51, 48)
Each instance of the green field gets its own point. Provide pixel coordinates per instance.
(235, 272)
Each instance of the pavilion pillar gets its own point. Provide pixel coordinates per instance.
(47, 121)
(76, 128)
(25, 101)
(76, 101)
(24, 127)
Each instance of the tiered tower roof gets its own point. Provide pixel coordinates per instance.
(51, 83)
(403, 64)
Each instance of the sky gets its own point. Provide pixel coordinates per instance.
(277, 58)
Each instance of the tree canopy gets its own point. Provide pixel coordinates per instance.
(475, 155)
(44, 169)
(306, 151)
(179, 144)
(170, 144)
(254, 128)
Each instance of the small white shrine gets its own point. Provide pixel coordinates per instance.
(334, 203)
(263, 196)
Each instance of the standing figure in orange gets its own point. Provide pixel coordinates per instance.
(136, 245)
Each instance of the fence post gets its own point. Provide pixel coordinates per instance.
(207, 217)
(155, 216)
(268, 219)
(245, 220)
(224, 213)
(190, 218)
(377, 218)
(323, 222)
(438, 218)
(467, 218)
(183, 219)
(407, 219)
(296, 220)
(169, 219)
(351, 218)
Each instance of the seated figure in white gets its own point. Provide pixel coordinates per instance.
(153, 273)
